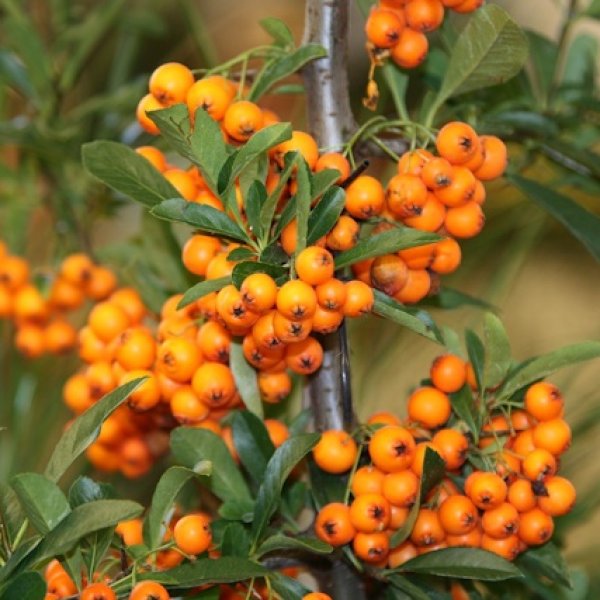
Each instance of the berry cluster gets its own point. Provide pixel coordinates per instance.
(442, 194)
(500, 494)
(397, 28)
(40, 320)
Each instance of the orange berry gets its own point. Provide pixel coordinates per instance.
(553, 435)
(359, 299)
(417, 286)
(334, 160)
(131, 532)
(405, 195)
(192, 533)
(458, 515)
(154, 156)
(197, 253)
(457, 142)
(452, 446)
(136, 349)
(59, 336)
(314, 265)
(242, 119)
(371, 547)
(147, 395)
(500, 522)
(211, 94)
(448, 373)
(495, 158)
(214, 384)
(186, 407)
(149, 590)
(365, 197)
(259, 292)
(401, 554)
(148, 104)
(383, 27)
(214, 342)
(98, 591)
(539, 464)
(367, 480)
(274, 387)
(344, 234)
(389, 274)
(411, 49)
(108, 320)
(178, 359)
(427, 530)
(170, 82)
(278, 431)
(392, 449)
(335, 452)
(400, 488)
(465, 221)
(486, 490)
(447, 256)
(296, 300)
(300, 142)
(543, 401)
(333, 524)
(304, 357)
(508, 548)
(521, 495)
(29, 340)
(370, 513)
(429, 407)
(536, 527)
(424, 15)
(559, 497)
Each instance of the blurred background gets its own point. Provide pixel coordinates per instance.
(81, 67)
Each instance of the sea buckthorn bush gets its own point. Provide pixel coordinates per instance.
(272, 238)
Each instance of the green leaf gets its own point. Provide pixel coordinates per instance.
(166, 491)
(208, 148)
(245, 379)
(26, 586)
(259, 143)
(498, 357)
(543, 55)
(11, 513)
(325, 215)
(490, 50)
(579, 73)
(285, 458)
(449, 298)
(237, 510)
(268, 208)
(397, 82)
(387, 242)
(303, 200)
(544, 365)
(227, 569)
(391, 309)
(476, 352)
(79, 523)
(240, 253)
(253, 444)
(18, 558)
(85, 429)
(464, 407)
(410, 589)
(42, 500)
(203, 288)
(593, 10)
(207, 219)
(283, 67)
(190, 446)
(326, 487)
(14, 74)
(235, 540)
(255, 199)
(462, 563)
(321, 181)
(127, 172)
(584, 225)
(243, 269)
(434, 469)
(547, 560)
(286, 587)
(278, 30)
(582, 161)
(283, 542)
(175, 128)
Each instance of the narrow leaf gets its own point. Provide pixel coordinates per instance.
(26, 586)
(325, 215)
(391, 309)
(203, 288)
(85, 429)
(303, 201)
(286, 457)
(278, 30)
(167, 489)
(283, 67)
(42, 500)
(190, 446)
(253, 444)
(544, 365)
(255, 199)
(127, 172)
(245, 379)
(476, 352)
(207, 219)
(584, 225)
(410, 589)
(386, 242)
(498, 356)
(283, 542)
(463, 563)
(547, 560)
(464, 407)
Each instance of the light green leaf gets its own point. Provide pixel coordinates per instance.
(127, 172)
(391, 309)
(166, 491)
(235, 540)
(303, 200)
(245, 379)
(544, 365)
(203, 288)
(42, 500)
(490, 50)
(498, 356)
(278, 30)
(387, 242)
(192, 446)
(279, 68)
(85, 429)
